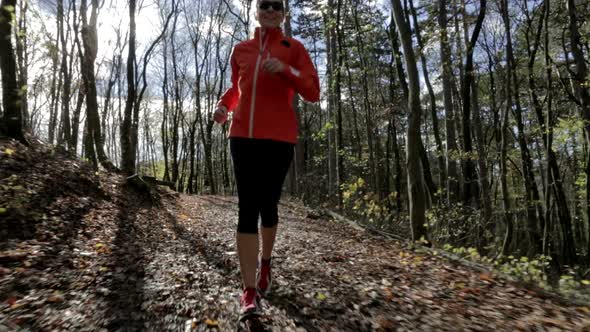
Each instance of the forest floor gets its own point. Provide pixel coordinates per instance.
(81, 251)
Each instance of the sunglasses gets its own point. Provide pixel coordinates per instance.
(276, 5)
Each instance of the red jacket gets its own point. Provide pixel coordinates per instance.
(263, 102)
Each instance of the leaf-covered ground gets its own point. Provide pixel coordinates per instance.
(93, 254)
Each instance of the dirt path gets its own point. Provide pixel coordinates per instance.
(129, 264)
(331, 277)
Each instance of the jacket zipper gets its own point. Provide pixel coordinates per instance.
(254, 83)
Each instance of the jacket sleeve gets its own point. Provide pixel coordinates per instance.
(303, 76)
(231, 96)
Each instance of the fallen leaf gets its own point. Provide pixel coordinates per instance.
(470, 290)
(386, 324)
(11, 300)
(56, 298)
(9, 152)
(388, 294)
(4, 271)
(417, 261)
(321, 296)
(458, 285)
(486, 277)
(17, 306)
(211, 323)
(427, 294)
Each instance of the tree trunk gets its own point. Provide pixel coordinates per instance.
(498, 131)
(166, 114)
(296, 168)
(65, 135)
(12, 122)
(177, 108)
(90, 42)
(414, 166)
(470, 189)
(433, 110)
(427, 175)
(372, 141)
(554, 181)
(127, 151)
(532, 194)
(338, 95)
(22, 55)
(54, 94)
(88, 144)
(81, 89)
(583, 93)
(392, 132)
(551, 159)
(331, 40)
(508, 220)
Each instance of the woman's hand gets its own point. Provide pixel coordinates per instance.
(220, 115)
(273, 65)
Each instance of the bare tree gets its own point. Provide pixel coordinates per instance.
(12, 120)
(90, 43)
(130, 124)
(414, 166)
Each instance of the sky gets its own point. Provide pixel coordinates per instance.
(115, 14)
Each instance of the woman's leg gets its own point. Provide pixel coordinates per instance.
(279, 158)
(248, 254)
(247, 233)
(269, 235)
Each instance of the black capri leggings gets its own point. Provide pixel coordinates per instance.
(260, 167)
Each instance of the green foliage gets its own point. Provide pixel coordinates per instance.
(23, 90)
(360, 201)
(52, 50)
(323, 132)
(18, 194)
(450, 224)
(146, 169)
(581, 185)
(568, 283)
(9, 9)
(523, 268)
(11, 12)
(566, 128)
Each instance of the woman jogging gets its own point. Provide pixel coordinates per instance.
(267, 71)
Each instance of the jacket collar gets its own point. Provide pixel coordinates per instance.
(273, 33)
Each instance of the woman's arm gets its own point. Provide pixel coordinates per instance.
(303, 75)
(230, 98)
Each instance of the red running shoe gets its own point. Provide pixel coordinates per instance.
(264, 278)
(249, 302)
